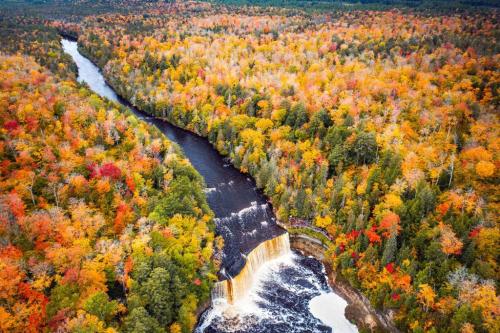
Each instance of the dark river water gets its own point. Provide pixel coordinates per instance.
(279, 299)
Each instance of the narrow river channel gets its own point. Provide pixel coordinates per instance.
(283, 291)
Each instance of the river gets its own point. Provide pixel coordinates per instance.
(284, 291)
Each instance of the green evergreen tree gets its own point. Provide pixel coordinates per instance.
(156, 292)
(100, 306)
(391, 246)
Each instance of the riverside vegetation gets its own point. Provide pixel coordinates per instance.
(381, 128)
(104, 225)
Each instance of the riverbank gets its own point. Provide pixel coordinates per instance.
(359, 310)
(234, 198)
(310, 243)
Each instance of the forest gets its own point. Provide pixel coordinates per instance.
(104, 226)
(328, 5)
(377, 130)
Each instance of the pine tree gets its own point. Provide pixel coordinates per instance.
(158, 296)
(390, 248)
(139, 321)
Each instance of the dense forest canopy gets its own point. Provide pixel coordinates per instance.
(364, 4)
(380, 128)
(94, 236)
(78, 9)
(375, 131)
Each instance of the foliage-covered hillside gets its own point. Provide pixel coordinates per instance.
(33, 36)
(328, 5)
(103, 222)
(381, 128)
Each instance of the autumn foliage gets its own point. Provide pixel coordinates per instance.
(82, 226)
(379, 127)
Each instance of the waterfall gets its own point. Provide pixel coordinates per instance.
(236, 288)
(274, 287)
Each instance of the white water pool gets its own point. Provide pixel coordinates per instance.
(330, 309)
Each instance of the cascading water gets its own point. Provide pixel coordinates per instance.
(237, 288)
(276, 301)
(268, 287)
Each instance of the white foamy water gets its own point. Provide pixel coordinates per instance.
(283, 298)
(330, 309)
(244, 311)
(244, 212)
(237, 288)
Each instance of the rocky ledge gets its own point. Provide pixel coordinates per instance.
(359, 310)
